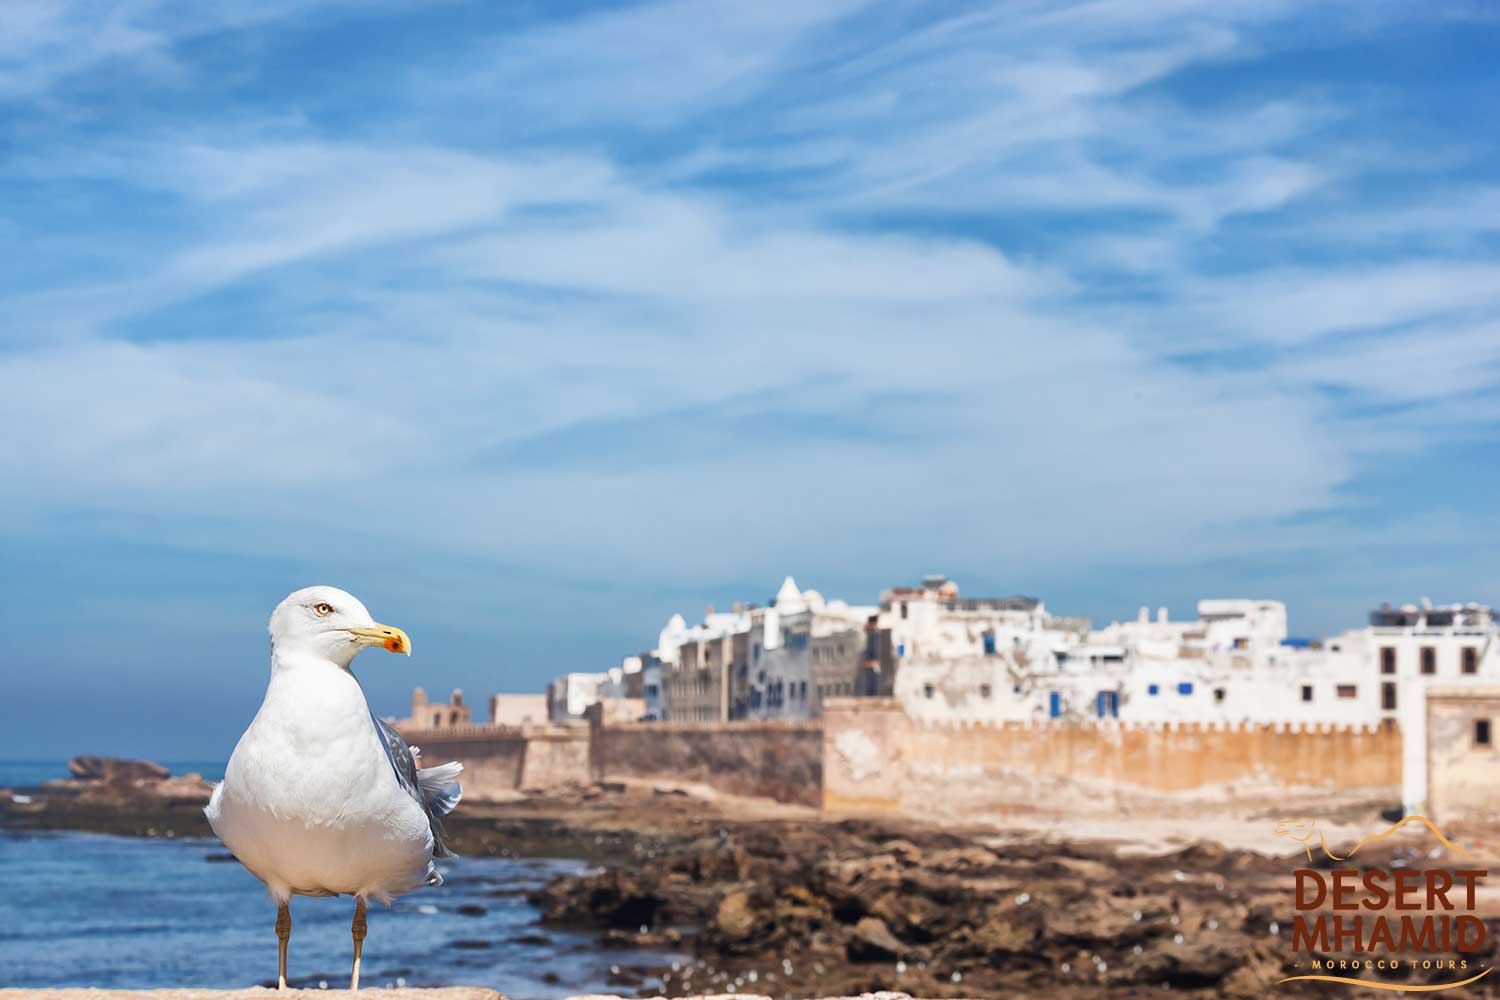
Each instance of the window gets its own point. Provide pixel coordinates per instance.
(1429, 659)
(901, 649)
(1307, 692)
(1482, 732)
(437, 719)
(989, 644)
(1347, 691)
(1388, 696)
(903, 609)
(1152, 689)
(1387, 659)
(984, 691)
(1186, 687)
(1219, 696)
(1471, 660)
(928, 691)
(1107, 704)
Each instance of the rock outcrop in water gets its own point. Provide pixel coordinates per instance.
(114, 795)
(116, 770)
(113, 780)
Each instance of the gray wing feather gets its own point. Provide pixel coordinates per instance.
(433, 788)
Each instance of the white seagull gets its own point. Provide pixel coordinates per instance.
(320, 797)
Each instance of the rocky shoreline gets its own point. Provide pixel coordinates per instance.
(778, 902)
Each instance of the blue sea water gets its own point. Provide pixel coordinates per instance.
(91, 910)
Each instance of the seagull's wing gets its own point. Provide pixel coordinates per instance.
(433, 788)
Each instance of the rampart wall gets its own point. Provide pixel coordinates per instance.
(774, 760)
(877, 759)
(500, 760)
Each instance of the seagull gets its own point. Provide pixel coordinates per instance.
(320, 797)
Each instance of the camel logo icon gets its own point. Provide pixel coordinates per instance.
(1304, 829)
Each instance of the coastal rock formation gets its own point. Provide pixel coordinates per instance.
(105, 779)
(115, 770)
(811, 909)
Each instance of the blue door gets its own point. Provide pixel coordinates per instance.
(1054, 704)
(1107, 704)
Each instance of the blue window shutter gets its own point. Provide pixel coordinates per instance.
(1186, 687)
(1151, 689)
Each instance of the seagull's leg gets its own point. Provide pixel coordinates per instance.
(283, 935)
(357, 928)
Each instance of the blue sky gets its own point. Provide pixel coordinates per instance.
(534, 325)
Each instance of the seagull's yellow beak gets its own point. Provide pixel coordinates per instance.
(391, 638)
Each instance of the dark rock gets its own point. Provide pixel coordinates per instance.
(469, 943)
(472, 910)
(531, 939)
(115, 770)
(613, 898)
(735, 919)
(872, 941)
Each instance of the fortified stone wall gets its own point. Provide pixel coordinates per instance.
(499, 760)
(775, 760)
(877, 759)
(867, 755)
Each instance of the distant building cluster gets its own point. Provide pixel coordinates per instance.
(950, 658)
(975, 664)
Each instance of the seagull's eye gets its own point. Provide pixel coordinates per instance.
(322, 609)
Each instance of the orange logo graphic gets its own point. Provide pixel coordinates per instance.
(1386, 918)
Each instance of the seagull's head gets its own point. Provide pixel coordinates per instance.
(331, 624)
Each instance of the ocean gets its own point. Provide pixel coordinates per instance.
(128, 913)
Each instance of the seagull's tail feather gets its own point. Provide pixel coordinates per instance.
(440, 792)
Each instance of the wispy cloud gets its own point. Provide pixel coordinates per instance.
(617, 306)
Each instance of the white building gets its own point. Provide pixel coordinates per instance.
(570, 695)
(1233, 663)
(963, 658)
(996, 659)
(802, 649)
(1420, 646)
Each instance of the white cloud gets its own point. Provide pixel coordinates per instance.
(470, 327)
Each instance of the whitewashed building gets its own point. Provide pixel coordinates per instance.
(802, 649)
(570, 695)
(1233, 663)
